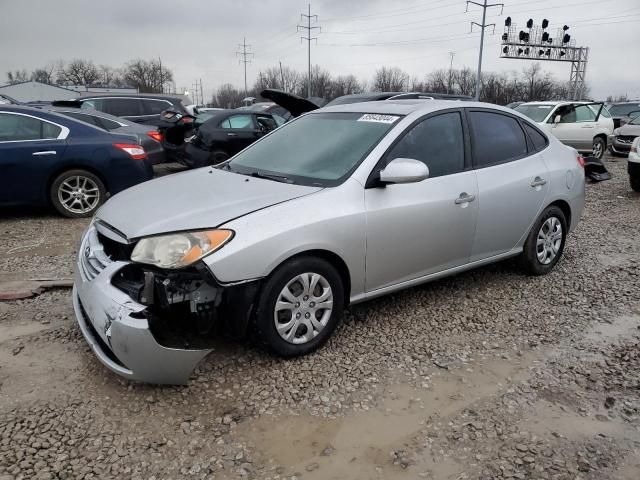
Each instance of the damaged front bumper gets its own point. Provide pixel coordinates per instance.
(139, 339)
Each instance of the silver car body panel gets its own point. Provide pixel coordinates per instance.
(387, 238)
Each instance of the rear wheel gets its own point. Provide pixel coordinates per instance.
(77, 193)
(545, 243)
(599, 147)
(299, 306)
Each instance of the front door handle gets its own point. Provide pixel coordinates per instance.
(231, 134)
(44, 152)
(464, 198)
(587, 126)
(538, 182)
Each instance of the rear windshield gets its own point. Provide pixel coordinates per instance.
(316, 149)
(625, 109)
(537, 113)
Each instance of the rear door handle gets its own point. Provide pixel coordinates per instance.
(464, 198)
(231, 134)
(538, 182)
(44, 152)
(587, 126)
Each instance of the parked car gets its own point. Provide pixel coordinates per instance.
(622, 138)
(223, 135)
(148, 136)
(139, 108)
(51, 159)
(336, 207)
(623, 112)
(634, 165)
(280, 114)
(514, 104)
(581, 125)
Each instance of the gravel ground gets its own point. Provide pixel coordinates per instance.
(489, 374)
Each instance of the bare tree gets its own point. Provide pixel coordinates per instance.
(147, 75)
(45, 74)
(345, 85)
(227, 96)
(17, 77)
(80, 72)
(390, 79)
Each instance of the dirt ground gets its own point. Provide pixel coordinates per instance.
(487, 375)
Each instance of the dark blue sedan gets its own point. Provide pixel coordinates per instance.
(51, 159)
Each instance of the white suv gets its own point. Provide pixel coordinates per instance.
(581, 125)
(634, 165)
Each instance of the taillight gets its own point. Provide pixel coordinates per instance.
(184, 120)
(580, 160)
(135, 151)
(157, 136)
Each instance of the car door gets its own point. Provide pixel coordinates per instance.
(577, 126)
(28, 145)
(418, 229)
(241, 132)
(512, 180)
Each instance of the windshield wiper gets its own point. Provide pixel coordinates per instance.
(269, 176)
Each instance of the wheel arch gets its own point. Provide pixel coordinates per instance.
(603, 136)
(332, 258)
(566, 209)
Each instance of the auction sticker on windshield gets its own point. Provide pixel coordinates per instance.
(375, 117)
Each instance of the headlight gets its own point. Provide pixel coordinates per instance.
(179, 249)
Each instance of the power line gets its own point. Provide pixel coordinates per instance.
(309, 29)
(482, 26)
(245, 55)
(390, 13)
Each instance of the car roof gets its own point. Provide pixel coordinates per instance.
(163, 96)
(406, 107)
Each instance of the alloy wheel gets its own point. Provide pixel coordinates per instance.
(303, 308)
(598, 149)
(549, 240)
(79, 194)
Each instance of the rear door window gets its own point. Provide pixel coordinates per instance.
(155, 107)
(585, 114)
(495, 138)
(20, 128)
(242, 122)
(123, 107)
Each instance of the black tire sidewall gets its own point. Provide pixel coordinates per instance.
(55, 185)
(529, 254)
(634, 181)
(217, 157)
(265, 326)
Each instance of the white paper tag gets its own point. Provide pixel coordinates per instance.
(378, 118)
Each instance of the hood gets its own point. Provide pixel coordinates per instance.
(197, 199)
(294, 104)
(629, 130)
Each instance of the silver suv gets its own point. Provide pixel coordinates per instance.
(336, 207)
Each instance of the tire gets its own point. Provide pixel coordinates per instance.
(77, 193)
(217, 156)
(599, 147)
(295, 321)
(534, 261)
(635, 183)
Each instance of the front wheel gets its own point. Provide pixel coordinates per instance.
(77, 193)
(217, 156)
(599, 147)
(545, 242)
(299, 306)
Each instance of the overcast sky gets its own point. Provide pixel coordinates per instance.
(199, 38)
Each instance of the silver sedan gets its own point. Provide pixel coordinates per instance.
(339, 206)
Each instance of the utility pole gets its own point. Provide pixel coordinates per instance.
(245, 55)
(309, 29)
(195, 92)
(482, 26)
(281, 75)
(201, 93)
(451, 54)
(161, 79)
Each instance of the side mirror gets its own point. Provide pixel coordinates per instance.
(557, 119)
(404, 170)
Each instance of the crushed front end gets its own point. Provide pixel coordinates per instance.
(149, 324)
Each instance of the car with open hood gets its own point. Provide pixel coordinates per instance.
(275, 242)
(622, 138)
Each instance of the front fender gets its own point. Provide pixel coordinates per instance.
(332, 219)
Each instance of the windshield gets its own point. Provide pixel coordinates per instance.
(624, 109)
(537, 113)
(316, 149)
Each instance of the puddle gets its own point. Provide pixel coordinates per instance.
(620, 326)
(359, 445)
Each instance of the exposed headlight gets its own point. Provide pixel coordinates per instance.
(179, 249)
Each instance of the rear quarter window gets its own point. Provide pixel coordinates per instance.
(538, 139)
